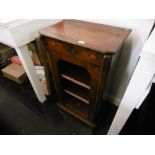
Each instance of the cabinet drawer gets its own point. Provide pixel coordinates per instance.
(68, 51)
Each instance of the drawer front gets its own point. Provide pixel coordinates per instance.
(68, 51)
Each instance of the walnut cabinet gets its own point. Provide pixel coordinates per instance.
(80, 54)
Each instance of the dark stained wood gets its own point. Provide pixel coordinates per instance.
(75, 75)
(66, 50)
(100, 88)
(76, 109)
(102, 38)
(76, 105)
(0, 58)
(76, 91)
(79, 70)
(44, 59)
(71, 110)
(81, 81)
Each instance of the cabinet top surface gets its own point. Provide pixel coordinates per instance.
(99, 37)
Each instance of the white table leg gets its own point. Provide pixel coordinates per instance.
(141, 78)
(27, 63)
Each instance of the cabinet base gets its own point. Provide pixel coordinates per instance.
(86, 121)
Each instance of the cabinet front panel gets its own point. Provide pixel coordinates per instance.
(70, 51)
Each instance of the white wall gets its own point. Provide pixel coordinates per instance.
(125, 61)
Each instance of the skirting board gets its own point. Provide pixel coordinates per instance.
(114, 100)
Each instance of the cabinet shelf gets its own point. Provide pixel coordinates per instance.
(75, 74)
(76, 91)
(74, 106)
(75, 79)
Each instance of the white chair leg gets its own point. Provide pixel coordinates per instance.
(141, 78)
(27, 63)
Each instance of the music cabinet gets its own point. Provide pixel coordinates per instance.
(80, 54)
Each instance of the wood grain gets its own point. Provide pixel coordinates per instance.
(102, 38)
(80, 69)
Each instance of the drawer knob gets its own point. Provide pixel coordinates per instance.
(72, 50)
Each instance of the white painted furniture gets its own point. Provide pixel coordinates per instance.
(17, 34)
(138, 87)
